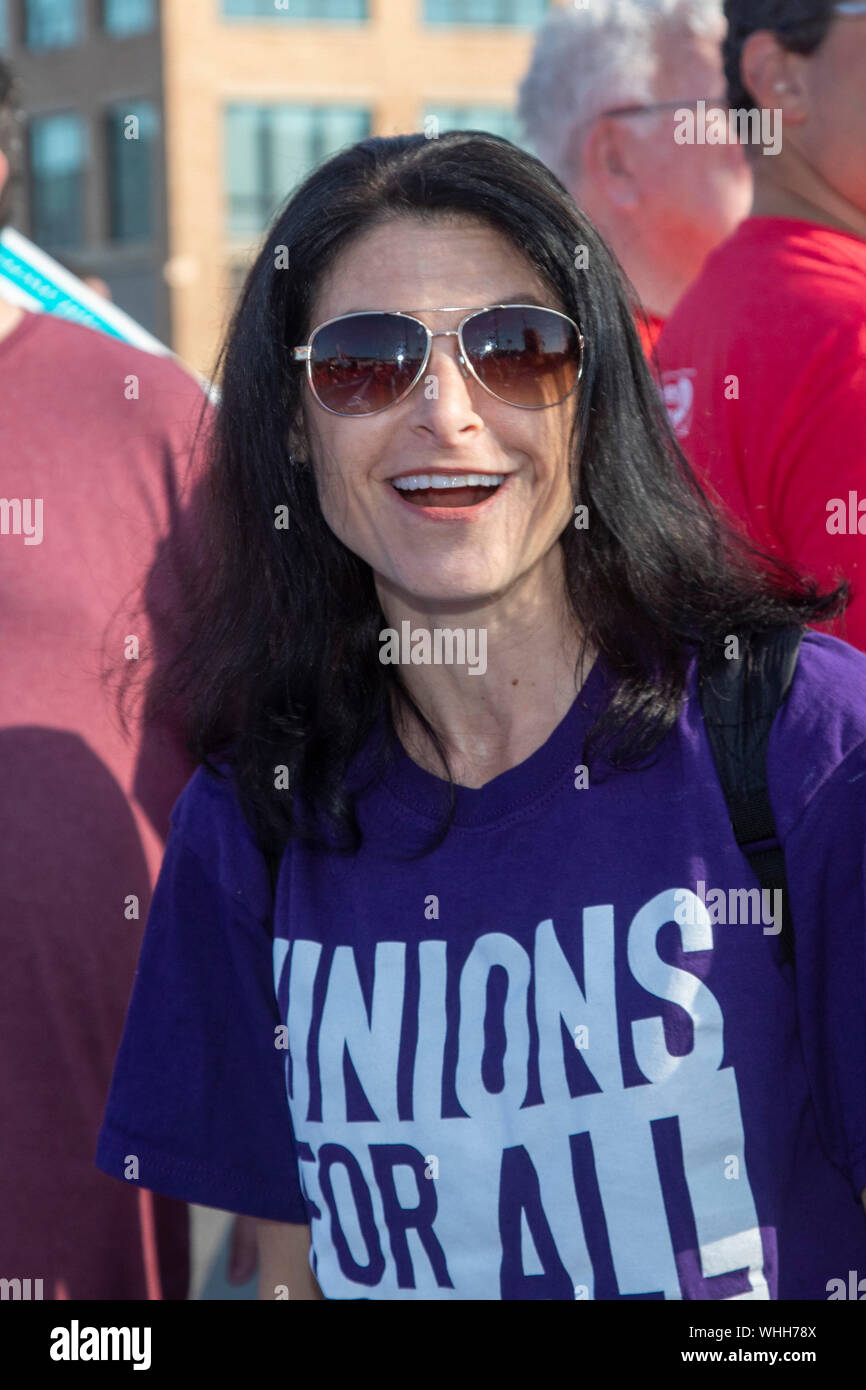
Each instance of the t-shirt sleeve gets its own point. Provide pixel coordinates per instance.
(197, 1107)
(826, 863)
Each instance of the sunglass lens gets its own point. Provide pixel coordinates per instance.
(524, 355)
(365, 362)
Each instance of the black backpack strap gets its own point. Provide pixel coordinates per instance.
(272, 861)
(740, 698)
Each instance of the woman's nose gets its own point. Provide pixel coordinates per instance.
(461, 361)
(447, 400)
(448, 370)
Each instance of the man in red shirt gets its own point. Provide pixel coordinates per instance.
(598, 104)
(764, 361)
(95, 437)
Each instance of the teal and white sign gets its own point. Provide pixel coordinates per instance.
(35, 281)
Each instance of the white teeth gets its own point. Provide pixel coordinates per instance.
(440, 480)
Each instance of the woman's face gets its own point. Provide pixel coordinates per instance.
(458, 556)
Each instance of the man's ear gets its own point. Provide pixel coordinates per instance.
(608, 160)
(775, 77)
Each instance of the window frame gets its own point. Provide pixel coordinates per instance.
(115, 108)
(262, 156)
(121, 34)
(290, 17)
(485, 25)
(40, 118)
(61, 7)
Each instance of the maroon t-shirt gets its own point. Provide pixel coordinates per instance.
(95, 443)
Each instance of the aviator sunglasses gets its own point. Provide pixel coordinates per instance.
(525, 355)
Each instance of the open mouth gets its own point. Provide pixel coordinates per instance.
(425, 490)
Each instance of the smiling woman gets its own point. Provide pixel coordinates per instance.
(416, 980)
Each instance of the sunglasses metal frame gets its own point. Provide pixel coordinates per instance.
(302, 353)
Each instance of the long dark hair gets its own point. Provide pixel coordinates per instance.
(280, 665)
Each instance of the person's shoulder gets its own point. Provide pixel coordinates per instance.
(829, 685)
(93, 358)
(822, 724)
(799, 246)
(772, 275)
(819, 272)
(208, 820)
(786, 254)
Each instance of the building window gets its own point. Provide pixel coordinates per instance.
(131, 129)
(485, 11)
(123, 17)
(498, 120)
(57, 161)
(53, 23)
(269, 149)
(295, 9)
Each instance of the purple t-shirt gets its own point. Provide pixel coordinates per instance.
(556, 1058)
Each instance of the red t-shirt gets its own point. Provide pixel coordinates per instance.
(764, 372)
(649, 326)
(92, 481)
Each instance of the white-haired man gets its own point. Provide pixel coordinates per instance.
(597, 104)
